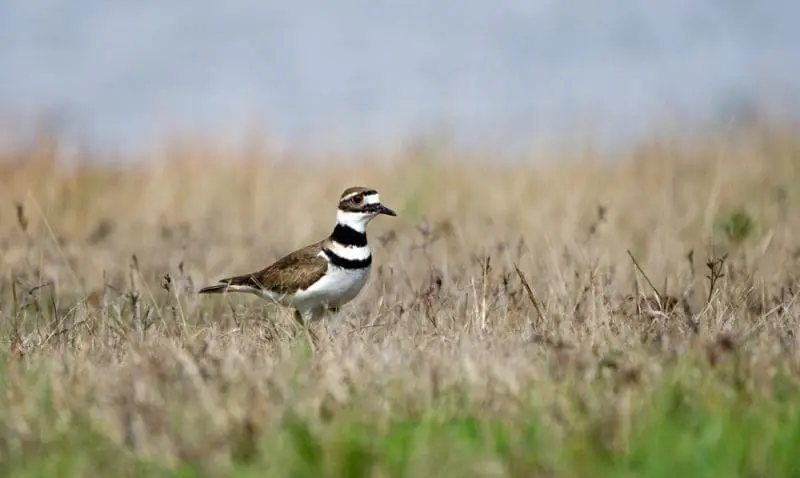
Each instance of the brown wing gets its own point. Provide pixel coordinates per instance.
(297, 270)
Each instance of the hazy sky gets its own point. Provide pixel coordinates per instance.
(359, 72)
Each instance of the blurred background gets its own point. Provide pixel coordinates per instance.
(361, 74)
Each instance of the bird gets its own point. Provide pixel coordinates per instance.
(321, 277)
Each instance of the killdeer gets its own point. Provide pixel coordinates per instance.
(322, 276)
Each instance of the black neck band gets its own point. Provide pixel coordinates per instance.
(347, 236)
(348, 263)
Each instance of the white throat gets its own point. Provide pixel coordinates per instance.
(355, 220)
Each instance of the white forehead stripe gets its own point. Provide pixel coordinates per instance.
(372, 199)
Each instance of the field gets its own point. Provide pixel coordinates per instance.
(592, 316)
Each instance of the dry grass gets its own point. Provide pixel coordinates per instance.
(507, 329)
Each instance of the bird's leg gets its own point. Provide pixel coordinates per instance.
(330, 313)
(298, 317)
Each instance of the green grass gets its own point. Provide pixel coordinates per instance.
(694, 423)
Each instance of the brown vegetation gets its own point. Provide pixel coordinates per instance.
(570, 282)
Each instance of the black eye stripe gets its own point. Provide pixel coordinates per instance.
(357, 202)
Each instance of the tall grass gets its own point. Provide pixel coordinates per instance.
(632, 317)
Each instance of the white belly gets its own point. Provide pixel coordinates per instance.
(335, 289)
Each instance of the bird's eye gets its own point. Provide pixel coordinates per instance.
(357, 200)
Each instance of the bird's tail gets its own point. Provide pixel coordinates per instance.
(213, 289)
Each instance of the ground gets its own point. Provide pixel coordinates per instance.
(632, 315)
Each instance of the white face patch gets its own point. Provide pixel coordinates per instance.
(356, 220)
